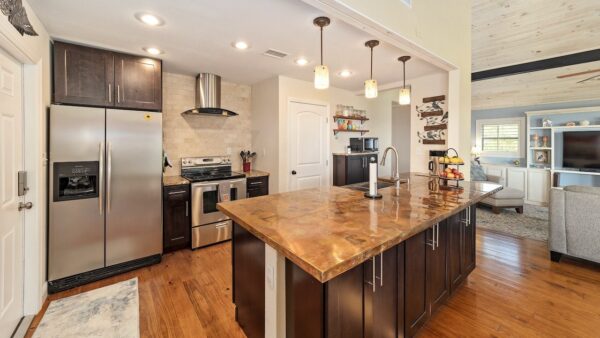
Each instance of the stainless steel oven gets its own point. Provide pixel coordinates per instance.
(212, 182)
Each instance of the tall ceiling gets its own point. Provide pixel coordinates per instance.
(198, 34)
(508, 32)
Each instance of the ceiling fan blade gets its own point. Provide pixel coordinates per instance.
(578, 73)
(589, 78)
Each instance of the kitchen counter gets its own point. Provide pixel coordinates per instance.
(357, 154)
(256, 173)
(174, 180)
(330, 230)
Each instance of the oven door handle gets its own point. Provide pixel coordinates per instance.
(205, 185)
(237, 181)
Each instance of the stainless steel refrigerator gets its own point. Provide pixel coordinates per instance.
(105, 175)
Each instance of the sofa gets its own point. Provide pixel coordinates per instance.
(575, 223)
(505, 198)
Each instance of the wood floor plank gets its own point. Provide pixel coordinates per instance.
(515, 291)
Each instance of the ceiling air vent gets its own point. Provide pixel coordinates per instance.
(275, 54)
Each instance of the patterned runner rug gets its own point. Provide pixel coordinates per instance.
(111, 311)
(532, 224)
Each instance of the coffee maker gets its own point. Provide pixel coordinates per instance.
(434, 166)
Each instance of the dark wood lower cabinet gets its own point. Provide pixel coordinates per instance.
(391, 295)
(381, 295)
(469, 248)
(438, 282)
(248, 256)
(416, 302)
(176, 217)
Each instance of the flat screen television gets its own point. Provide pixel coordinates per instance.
(581, 150)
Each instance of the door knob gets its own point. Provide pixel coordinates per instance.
(294, 172)
(27, 205)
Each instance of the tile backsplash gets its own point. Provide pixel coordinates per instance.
(204, 135)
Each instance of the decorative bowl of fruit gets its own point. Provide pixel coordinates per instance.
(451, 174)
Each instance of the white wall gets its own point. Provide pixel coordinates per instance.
(34, 52)
(401, 134)
(265, 130)
(427, 86)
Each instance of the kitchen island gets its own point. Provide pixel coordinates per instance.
(330, 263)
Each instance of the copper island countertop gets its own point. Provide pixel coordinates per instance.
(327, 231)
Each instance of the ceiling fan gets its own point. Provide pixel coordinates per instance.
(597, 76)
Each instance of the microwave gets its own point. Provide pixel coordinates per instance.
(363, 144)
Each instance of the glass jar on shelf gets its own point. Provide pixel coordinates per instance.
(339, 109)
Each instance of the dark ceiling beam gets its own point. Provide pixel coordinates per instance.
(534, 66)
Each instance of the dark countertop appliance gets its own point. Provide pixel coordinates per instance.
(364, 144)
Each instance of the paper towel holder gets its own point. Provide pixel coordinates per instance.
(373, 197)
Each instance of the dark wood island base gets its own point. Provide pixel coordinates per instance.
(392, 294)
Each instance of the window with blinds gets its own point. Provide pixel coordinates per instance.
(500, 137)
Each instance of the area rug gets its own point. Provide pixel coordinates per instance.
(111, 311)
(532, 224)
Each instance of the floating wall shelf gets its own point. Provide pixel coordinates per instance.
(362, 131)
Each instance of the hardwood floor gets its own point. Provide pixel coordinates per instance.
(514, 291)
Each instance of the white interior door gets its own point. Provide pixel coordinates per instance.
(308, 145)
(11, 220)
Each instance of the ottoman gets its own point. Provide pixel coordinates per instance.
(506, 198)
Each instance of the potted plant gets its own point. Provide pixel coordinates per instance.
(247, 157)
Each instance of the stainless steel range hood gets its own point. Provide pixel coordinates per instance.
(208, 97)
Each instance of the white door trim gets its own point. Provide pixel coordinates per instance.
(35, 286)
(291, 100)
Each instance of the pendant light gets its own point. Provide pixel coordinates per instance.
(371, 84)
(404, 97)
(321, 71)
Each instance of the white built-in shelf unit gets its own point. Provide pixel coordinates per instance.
(554, 144)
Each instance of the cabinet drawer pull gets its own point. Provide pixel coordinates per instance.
(177, 238)
(176, 192)
(109, 93)
(256, 183)
(187, 208)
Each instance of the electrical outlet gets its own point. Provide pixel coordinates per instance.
(270, 272)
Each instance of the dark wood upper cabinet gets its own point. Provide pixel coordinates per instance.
(95, 77)
(176, 217)
(83, 75)
(138, 82)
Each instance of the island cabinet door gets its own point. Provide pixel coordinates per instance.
(248, 257)
(455, 249)
(355, 169)
(469, 240)
(381, 295)
(438, 281)
(416, 300)
(344, 305)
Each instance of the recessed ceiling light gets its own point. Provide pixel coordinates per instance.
(149, 19)
(345, 73)
(153, 50)
(241, 45)
(301, 61)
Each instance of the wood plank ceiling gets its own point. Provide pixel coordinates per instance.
(509, 32)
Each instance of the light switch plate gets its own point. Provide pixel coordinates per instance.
(270, 271)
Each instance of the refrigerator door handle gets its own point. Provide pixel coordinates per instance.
(101, 178)
(108, 174)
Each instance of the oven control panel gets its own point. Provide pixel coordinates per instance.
(205, 161)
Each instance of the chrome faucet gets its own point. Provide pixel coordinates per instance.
(395, 173)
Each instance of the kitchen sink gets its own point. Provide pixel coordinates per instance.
(364, 186)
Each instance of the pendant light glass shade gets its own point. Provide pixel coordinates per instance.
(321, 77)
(321, 71)
(404, 98)
(404, 95)
(371, 89)
(371, 84)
